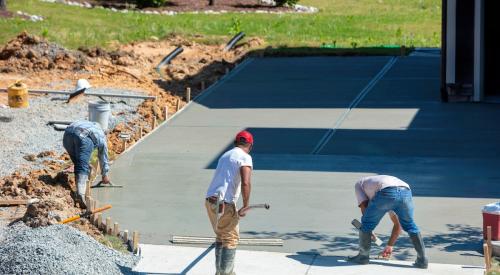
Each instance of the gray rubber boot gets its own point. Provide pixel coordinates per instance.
(227, 261)
(218, 257)
(418, 243)
(81, 184)
(365, 242)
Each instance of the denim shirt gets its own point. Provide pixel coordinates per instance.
(100, 141)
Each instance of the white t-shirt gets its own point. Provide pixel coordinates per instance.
(367, 187)
(226, 182)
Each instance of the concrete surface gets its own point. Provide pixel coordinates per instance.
(161, 259)
(448, 153)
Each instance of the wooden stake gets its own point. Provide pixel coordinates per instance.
(403, 50)
(154, 122)
(99, 221)
(108, 225)
(135, 241)
(202, 85)
(486, 257)
(140, 132)
(124, 145)
(125, 236)
(116, 229)
(178, 107)
(488, 240)
(165, 113)
(188, 94)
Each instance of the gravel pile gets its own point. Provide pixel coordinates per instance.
(58, 249)
(25, 131)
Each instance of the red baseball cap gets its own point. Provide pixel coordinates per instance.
(244, 136)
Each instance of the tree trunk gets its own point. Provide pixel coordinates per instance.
(3, 5)
(210, 2)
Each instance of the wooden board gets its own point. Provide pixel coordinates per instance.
(210, 240)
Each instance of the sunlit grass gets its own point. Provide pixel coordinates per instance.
(363, 23)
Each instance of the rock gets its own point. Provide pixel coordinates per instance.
(30, 157)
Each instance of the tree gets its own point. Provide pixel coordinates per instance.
(3, 5)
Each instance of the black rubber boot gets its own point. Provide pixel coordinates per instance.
(227, 261)
(365, 242)
(418, 243)
(218, 257)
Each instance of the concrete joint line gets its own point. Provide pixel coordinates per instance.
(329, 134)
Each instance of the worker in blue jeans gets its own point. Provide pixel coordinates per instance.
(80, 139)
(376, 196)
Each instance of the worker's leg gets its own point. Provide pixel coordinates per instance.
(228, 232)
(377, 207)
(70, 143)
(82, 167)
(381, 203)
(404, 210)
(212, 216)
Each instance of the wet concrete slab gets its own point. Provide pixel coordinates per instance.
(447, 153)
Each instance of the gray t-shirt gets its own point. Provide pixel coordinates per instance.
(367, 187)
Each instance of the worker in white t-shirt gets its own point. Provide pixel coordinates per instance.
(376, 196)
(232, 177)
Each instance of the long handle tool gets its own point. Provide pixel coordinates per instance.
(86, 214)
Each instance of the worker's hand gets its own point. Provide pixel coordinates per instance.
(386, 254)
(243, 211)
(106, 180)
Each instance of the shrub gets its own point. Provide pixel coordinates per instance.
(150, 3)
(286, 2)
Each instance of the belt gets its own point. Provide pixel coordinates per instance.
(397, 187)
(213, 200)
(82, 132)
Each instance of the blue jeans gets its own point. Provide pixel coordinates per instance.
(79, 149)
(397, 199)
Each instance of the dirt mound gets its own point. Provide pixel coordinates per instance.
(53, 188)
(117, 57)
(31, 53)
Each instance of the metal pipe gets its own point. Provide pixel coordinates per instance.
(234, 40)
(86, 93)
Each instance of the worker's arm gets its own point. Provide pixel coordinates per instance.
(103, 159)
(396, 230)
(362, 206)
(245, 172)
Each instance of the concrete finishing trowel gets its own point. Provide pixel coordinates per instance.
(101, 184)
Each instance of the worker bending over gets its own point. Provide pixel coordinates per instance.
(231, 177)
(80, 139)
(377, 195)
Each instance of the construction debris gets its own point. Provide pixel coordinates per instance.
(57, 249)
(50, 67)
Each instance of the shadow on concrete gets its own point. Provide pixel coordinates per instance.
(463, 239)
(335, 261)
(441, 153)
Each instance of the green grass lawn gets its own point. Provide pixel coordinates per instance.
(340, 23)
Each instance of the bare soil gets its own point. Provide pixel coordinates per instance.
(44, 65)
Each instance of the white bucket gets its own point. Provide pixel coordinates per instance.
(99, 111)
